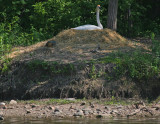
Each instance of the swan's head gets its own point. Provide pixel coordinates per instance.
(98, 7)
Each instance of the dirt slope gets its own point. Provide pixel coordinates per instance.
(73, 45)
(30, 79)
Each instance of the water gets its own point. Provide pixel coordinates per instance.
(80, 121)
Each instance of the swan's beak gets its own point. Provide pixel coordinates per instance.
(98, 6)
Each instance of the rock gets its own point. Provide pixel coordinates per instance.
(57, 113)
(94, 51)
(102, 116)
(33, 106)
(51, 108)
(78, 113)
(99, 116)
(1, 118)
(56, 110)
(98, 110)
(92, 106)
(70, 99)
(83, 103)
(51, 44)
(139, 105)
(2, 105)
(71, 107)
(87, 111)
(13, 102)
(115, 112)
(158, 102)
(28, 111)
(1, 113)
(26, 106)
(106, 108)
(119, 107)
(11, 107)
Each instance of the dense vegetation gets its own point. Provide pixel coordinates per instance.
(24, 22)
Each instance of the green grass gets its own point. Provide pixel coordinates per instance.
(49, 101)
(137, 65)
(111, 101)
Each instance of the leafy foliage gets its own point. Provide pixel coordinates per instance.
(136, 65)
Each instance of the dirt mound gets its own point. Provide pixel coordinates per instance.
(71, 74)
(76, 45)
(105, 36)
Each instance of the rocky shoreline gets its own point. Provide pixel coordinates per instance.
(82, 109)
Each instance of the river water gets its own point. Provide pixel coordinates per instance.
(80, 121)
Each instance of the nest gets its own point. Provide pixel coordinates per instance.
(76, 45)
(105, 36)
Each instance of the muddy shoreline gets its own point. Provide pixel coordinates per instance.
(81, 109)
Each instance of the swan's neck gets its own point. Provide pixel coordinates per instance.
(98, 20)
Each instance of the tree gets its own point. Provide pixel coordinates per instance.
(112, 14)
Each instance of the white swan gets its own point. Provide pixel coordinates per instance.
(91, 27)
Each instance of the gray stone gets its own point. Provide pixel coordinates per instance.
(57, 113)
(56, 110)
(70, 99)
(78, 113)
(2, 105)
(114, 112)
(28, 111)
(87, 111)
(103, 115)
(99, 116)
(92, 106)
(107, 108)
(1, 113)
(33, 106)
(83, 103)
(51, 108)
(13, 102)
(1, 118)
(98, 110)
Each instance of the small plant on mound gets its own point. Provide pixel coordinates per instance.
(4, 65)
(156, 48)
(139, 65)
(136, 65)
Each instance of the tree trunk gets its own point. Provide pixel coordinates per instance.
(112, 14)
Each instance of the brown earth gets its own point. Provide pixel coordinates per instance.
(72, 47)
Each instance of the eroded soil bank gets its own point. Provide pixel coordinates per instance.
(41, 79)
(76, 67)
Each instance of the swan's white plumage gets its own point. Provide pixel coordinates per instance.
(91, 27)
(87, 27)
